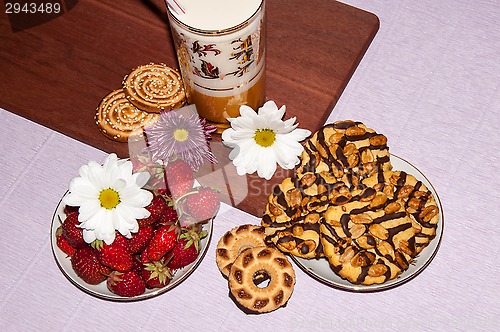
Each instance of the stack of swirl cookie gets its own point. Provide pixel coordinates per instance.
(345, 204)
(146, 91)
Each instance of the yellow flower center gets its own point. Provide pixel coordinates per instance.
(109, 198)
(181, 135)
(264, 137)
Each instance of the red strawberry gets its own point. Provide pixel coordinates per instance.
(140, 240)
(68, 209)
(162, 242)
(156, 274)
(183, 254)
(164, 192)
(187, 248)
(138, 266)
(63, 244)
(157, 208)
(144, 257)
(126, 284)
(86, 265)
(203, 204)
(115, 255)
(71, 232)
(169, 216)
(179, 177)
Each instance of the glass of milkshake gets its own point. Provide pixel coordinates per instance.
(221, 48)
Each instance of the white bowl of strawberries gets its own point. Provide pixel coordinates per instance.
(164, 251)
(141, 276)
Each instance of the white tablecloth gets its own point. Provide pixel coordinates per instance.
(429, 81)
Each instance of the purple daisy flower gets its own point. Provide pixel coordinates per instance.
(180, 133)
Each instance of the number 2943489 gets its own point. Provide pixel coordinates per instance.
(32, 8)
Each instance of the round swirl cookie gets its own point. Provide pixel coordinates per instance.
(291, 221)
(154, 87)
(374, 236)
(234, 241)
(344, 150)
(252, 268)
(117, 118)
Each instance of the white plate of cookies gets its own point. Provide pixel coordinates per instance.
(352, 215)
(320, 268)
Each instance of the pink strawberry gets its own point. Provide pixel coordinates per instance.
(86, 265)
(157, 208)
(115, 255)
(71, 232)
(162, 242)
(63, 244)
(143, 163)
(156, 274)
(140, 240)
(126, 284)
(187, 248)
(179, 177)
(203, 204)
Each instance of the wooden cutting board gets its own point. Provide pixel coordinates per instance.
(56, 70)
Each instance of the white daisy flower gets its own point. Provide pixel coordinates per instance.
(260, 140)
(109, 198)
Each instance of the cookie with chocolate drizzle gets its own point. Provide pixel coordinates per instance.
(291, 223)
(345, 151)
(374, 236)
(335, 159)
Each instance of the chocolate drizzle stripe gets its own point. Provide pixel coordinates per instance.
(319, 249)
(339, 154)
(368, 192)
(356, 138)
(390, 216)
(396, 230)
(332, 231)
(362, 275)
(342, 124)
(344, 221)
(377, 147)
(380, 176)
(329, 239)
